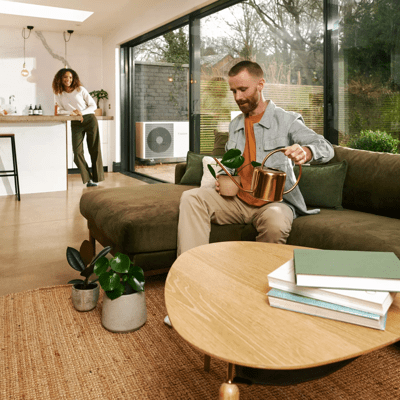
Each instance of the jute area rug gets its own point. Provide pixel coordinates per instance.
(50, 351)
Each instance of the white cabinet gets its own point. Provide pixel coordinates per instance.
(105, 131)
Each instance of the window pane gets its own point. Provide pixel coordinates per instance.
(161, 104)
(369, 72)
(285, 39)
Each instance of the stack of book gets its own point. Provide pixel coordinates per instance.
(350, 286)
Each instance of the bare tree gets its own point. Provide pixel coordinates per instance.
(295, 30)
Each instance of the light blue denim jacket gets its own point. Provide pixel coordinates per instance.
(277, 129)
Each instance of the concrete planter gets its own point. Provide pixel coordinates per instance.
(124, 314)
(85, 299)
(227, 187)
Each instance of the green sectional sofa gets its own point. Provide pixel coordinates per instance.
(358, 193)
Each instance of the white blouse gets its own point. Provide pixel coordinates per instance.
(80, 100)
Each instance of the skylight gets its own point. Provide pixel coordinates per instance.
(33, 10)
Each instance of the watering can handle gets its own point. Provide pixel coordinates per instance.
(283, 150)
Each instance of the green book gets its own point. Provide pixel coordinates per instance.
(343, 269)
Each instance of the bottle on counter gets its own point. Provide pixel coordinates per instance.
(56, 109)
(35, 111)
(30, 110)
(40, 111)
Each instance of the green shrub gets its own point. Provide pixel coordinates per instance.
(375, 141)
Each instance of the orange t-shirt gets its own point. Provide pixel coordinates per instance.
(249, 155)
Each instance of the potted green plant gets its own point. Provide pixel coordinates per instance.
(124, 305)
(85, 293)
(99, 95)
(233, 160)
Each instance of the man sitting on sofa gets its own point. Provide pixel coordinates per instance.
(261, 128)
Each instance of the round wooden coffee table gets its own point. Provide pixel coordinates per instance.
(216, 300)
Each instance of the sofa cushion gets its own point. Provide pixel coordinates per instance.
(194, 169)
(220, 139)
(372, 181)
(322, 185)
(346, 230)
(138, 219)
(207, 179)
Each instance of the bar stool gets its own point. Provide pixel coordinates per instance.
(13, 172)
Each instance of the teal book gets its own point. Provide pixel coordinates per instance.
(345, 269)
(295, 302)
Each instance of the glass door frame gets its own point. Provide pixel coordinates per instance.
(127, 67)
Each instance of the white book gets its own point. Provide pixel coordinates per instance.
(374, 302)
(294, 302)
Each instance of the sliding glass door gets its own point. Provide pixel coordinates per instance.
(285, 39)
(160, 74)
(367, 88)
(179, 97)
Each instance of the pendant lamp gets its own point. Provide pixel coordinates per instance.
(24, 71)
(65, 40)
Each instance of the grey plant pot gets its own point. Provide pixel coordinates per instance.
(125, 314)
(85, 300)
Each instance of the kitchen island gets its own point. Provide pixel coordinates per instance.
(41, 143)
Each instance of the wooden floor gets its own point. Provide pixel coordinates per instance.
(35, 234)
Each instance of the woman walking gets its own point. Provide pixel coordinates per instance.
(72, 98)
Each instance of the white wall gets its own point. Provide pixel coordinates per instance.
(44, 56)
(93, 57)
(158, 13)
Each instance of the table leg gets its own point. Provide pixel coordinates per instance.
(207, 362)
(228, 390)
(92, 241)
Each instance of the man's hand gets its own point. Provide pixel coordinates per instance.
(298, 154)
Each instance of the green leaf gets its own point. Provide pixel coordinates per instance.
(102, 253)
(212, 171)
(120, 263)
(74, 281)
(135, 284)
(101, 266)
(117, 292)
(234, 163)
(74, 259)
(136, 278)
(137, 272)
(94, 280)
(232, 153)
(255, 164)
(86, 252)
(109, 280)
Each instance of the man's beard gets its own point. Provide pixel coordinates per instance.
(248, 105)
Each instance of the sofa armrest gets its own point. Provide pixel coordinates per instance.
(179, 172)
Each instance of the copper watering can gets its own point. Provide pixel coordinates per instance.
(267, 184)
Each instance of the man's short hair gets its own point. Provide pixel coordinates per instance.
(252, 68)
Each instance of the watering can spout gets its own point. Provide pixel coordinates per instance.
(267, 183)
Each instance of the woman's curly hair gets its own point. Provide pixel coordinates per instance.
(57, 85)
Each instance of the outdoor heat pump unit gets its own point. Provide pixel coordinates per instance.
(162, 141)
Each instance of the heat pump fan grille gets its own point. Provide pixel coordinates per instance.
(159, 140)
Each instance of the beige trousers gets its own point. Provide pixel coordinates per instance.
(199, 207)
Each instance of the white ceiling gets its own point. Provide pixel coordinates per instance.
(107, 16)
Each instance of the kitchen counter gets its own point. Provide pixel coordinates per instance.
(41, 144)
(37, 118)
(45, 118)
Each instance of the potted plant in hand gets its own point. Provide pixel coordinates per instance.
(85, 293)
(99, 95)
(124, 305)
(233, 160)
